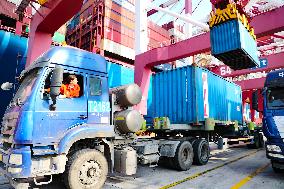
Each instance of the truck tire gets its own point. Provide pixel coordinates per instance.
(258, 141)
(201, 152)
(183, 156)
(86, 169)
(261, 141)
(276, 169)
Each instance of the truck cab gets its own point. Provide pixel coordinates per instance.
(273, 117)
(35, 138)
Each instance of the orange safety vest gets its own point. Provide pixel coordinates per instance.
(70, 90)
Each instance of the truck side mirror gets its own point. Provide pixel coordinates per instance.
(255, 101)
(56, 82)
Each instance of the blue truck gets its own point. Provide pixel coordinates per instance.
(273, 117)
(83, 139)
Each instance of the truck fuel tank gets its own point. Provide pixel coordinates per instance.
(125, 161)
(128, 121)
(127, 95)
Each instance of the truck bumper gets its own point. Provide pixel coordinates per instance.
(21, 168)
(16, 163)
(18, 184)
(275, 151)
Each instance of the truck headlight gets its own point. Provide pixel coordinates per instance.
(14, 170)
(276, 155)
(273, 148)
(16, 159)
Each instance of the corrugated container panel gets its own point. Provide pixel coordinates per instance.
(224, 97)
(9, 64)
(75, 21)
(119, 75)
(158, 29)
(7, 8)
(120, 10)
(125, 4)
(233, 44)
(157, 37)
(191, 94)
(119, 27)
(118, 18)
(119, 38)
(87, 13)
(119, 49)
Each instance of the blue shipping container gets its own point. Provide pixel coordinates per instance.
(120, 75)
(190, 94)
(11, 46)
(232, 43)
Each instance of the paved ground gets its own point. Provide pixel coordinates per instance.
(237, 167)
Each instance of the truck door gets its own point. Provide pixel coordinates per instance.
(70, 112)
(98, 100)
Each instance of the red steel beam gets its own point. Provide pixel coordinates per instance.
(151, 12)
(275, 61)
(251, 84)
(46, 21)
(264, 24)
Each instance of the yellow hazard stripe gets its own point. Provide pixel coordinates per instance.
(248, 178)
(204, 172)
(229, 13)
(119, 118)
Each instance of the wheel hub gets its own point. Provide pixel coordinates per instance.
(185, 155)
(204, 154)
(90, 173)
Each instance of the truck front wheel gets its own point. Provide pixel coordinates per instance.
(275, 168)
(86, 169)
(183, 157)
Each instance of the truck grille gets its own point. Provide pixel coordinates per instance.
(8, 128)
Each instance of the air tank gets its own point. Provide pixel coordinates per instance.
(128, 95)
(128, 121)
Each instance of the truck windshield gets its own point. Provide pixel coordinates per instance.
(25, 87)
(275, 98)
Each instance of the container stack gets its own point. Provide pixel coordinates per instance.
(232, 38)
(119, 27)
(158, 36)
(108, 27)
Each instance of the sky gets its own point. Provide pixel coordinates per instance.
(200, 13)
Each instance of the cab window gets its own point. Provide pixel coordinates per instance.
(95, 86)
(72, 86)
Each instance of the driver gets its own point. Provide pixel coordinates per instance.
(70, 88)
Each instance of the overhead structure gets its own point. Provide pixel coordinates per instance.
(145, 61)
(164, 5)
(187, 19)
(45, 22)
